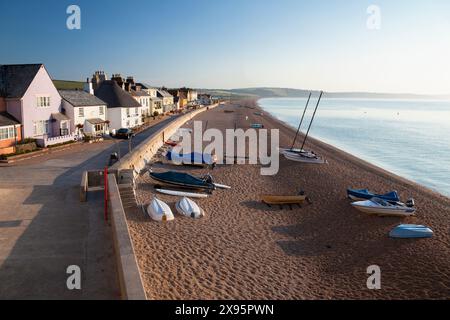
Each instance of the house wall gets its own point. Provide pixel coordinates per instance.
(91, 112)
(42, 85)
(145, 103)
(7, 146)
(14, 108)
(115, 118)
(119, 119)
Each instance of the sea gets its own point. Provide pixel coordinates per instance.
(410, 138)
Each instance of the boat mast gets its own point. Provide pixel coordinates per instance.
(301, 121)
(312, 120)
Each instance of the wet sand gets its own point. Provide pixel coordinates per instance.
(243, 249)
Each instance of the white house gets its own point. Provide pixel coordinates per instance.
(86, 111)
(167, 101)
(123, 111)
(144, 100)
(156, 103)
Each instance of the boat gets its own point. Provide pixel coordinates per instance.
(184, 180)
(284, 200)
(171, 143)
(189, 208)
(222, 186)
(178, 193)
(160, 211)
(411, 231)
(304, 157)
(301, 155)
(192, 158)
(364, 194)
(383, 208)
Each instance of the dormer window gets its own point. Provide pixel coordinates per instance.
(43, 102)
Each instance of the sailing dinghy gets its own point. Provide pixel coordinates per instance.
(383, 208)
(301, 155)
(189, 208)
(160, 211)
(304, 157)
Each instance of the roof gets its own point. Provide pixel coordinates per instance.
(16, 78)
(7, 120)
(114, 96)
(145, 86)
(59, 116)
(96, 121)
(164, 94)
(135, 93)
(79, 98)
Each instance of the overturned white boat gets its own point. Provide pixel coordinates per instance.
(160, 211)
(189, 208)
(382, 208)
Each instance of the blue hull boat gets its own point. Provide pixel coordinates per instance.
(191, 158)
(183, 180)
(411, 231)
(365, 194)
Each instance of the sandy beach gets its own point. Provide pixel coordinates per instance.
(243, 249)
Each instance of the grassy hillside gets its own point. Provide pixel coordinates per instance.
(68, 85)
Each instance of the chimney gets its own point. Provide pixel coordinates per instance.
(88, 87)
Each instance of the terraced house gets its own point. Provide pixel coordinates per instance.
(123, 111)
(29, 97)
(86, 111)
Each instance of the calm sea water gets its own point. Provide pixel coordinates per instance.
(408, 138)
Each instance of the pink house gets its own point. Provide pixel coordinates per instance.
(31, 98)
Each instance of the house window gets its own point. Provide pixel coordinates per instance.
(136, 111)
(43, 102)
(128, 123)
(41, 127)
(102, 111)
(136, 122)
(81, 112)
(128, 112)
(7, 133)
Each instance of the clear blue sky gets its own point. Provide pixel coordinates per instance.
(316, 44)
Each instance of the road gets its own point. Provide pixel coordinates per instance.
(44, 228)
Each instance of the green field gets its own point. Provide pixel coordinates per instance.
(68, 85)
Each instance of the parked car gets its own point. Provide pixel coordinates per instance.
(124, 133)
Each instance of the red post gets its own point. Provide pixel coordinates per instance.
(105, 173)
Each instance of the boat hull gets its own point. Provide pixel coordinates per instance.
(182, 194)
(411, 232)
(298, 157)
(189, 208)
(182, 180)
(384, 212)
(160, 211)
(283, 200)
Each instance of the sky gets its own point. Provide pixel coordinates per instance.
(310, 44)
